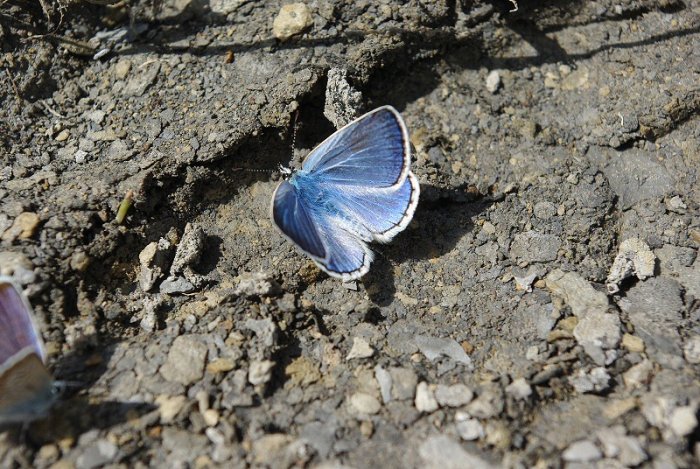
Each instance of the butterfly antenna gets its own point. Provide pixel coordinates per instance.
(250, 170)
(295, 127)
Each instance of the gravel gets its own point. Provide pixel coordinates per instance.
(540, 310)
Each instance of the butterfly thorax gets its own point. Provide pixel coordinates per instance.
(314, 194)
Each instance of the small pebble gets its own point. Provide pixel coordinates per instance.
(292, 19)
(582, 451)
(633, 343)
(365, 403)
(493, 81)
(260, 372)
(221, 365)
(24, 227)
(519, 389)
(185, 362)
(691, 350)
(453, 396)
(169, 407)
(683, 420)
(638, 375)
(121, 69)
(360, 349)
(425, 399)
(256, 284)
(468, 428)
(595, 380)
(211, 417)
(383, 377)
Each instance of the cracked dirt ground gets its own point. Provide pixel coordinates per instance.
(548, 142)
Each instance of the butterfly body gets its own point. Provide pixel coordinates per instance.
(355, 187)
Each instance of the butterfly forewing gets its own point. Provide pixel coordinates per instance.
(17, 329)
(295, 220)
(371, 151)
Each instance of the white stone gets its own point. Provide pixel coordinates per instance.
(365, 403)
(453, 396)
(385, 381)
(519, 389)
(260, 372)
(468, 428)
(425, 399)
(595, 380)
(360, 349)
(493, 81)
(683, 420)
(169, 407)
(602, 329)
(634, 258)
(292, 19)
(625, 448)
(582, 451)
(638, 375)
(691, 350)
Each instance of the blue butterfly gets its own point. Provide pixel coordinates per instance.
(353, 188)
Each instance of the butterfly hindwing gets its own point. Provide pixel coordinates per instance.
(26, 386)
(371, 151)
(26, 389)
(379, 214)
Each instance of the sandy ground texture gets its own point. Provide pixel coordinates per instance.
(541, 310)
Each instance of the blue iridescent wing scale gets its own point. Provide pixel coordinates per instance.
(373, 151)
(348, 257)
(326, 239)
(295, 220)
(379, 215)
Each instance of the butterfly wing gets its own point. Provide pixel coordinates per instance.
(295, 220)
(372, 151)
(17, 328)
(378, 214)
(348, 256)
(326, 237)
(26, 386)
(26, 389)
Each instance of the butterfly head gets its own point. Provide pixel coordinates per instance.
(286, 172)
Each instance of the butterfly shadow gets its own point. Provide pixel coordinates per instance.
(79, 415)
(443, 217)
